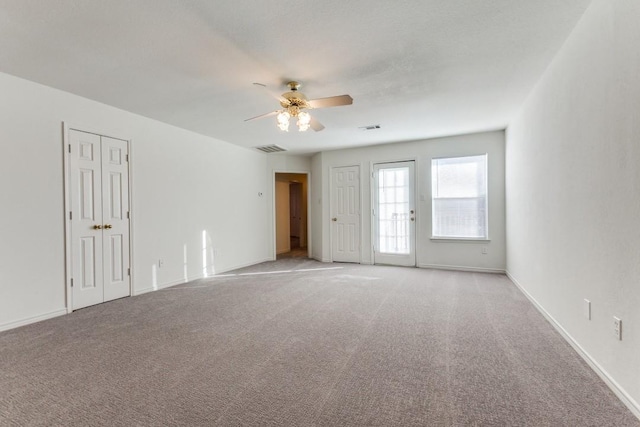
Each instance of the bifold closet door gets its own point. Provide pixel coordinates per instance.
(99, 218)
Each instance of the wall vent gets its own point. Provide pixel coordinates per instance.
(370, 127)
(270, 148)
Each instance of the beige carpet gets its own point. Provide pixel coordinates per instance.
(343, 345)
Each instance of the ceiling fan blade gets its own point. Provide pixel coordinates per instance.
(261, 116)
(332, 101)
(316, 125)
(272, 94)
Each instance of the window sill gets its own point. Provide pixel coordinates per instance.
(459, 240)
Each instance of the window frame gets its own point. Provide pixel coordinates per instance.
(454, 239)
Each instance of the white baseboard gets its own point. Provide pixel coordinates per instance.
(320, 259)
(165, 285)
(629, 402)
(462, 268)
(34, 319)
(248, 264)
(195, 277)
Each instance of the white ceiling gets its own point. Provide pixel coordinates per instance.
(418, 68)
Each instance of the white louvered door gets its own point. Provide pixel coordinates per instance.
(99, 187)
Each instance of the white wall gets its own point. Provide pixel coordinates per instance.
(283, 231)
(183, 184)
(280, 162)
(317, 214)
(437, 254)
(573, 190)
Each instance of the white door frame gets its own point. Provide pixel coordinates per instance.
(416, 191)
(66, 128)
(331, 168)
(413, 223)
(273, 207)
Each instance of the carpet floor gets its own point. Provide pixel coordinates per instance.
(300, 343)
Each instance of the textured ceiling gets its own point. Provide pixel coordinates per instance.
(418, 68)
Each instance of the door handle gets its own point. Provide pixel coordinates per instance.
(334, 219)
(97, 227)
(107, 226)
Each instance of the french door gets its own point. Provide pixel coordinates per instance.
(394, 214)
(99, 218)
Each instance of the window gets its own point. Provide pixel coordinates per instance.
(459, 197)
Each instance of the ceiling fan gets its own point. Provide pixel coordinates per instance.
(293, 105)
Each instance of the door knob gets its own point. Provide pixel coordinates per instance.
(97, 227)
(108, 226)
(334, 219)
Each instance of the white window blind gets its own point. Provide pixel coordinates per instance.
(459, 197)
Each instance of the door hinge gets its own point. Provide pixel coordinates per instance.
(128, 217)
(72, 282)
(70, 215)
(128, 272)
(126, 157)
(69, 147)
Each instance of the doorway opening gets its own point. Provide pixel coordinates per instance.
(291, 215)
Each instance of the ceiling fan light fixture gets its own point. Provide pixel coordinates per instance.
(294, 102)
(283, 120)
(304, 121)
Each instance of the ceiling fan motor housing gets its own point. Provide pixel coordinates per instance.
(294, 98)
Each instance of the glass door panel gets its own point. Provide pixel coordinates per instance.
(394, 213)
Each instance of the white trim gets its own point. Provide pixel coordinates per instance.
(28, 320)
(166, 285)
(131, 218)
(459, 240)
(462, 268)
(629, 402)
(235, 267)
(196, 277)
(67, 208)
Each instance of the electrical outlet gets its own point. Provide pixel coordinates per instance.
(485, 250)
(160, 263)
(587, 309)
(617, 327)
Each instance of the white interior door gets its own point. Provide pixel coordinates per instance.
(99, 200)
(115, 212)
(295, 197)
(394, 214)
(345, 217)
(86, 220)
